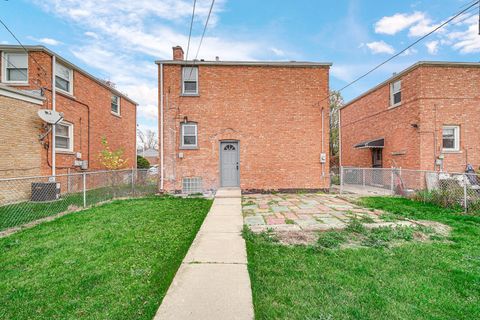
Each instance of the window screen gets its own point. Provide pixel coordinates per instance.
(450, 138)
(63, 76)
(115, 105)
(16, 67)
(189, 135)
(396, 92)
(63, 139)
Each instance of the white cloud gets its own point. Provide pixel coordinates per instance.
(278, 52)
(47, 41)
(380, 47)
(91, 34)
(432, 46)
(422, 28)
(410, 52)
(393, 24)
(467, 41)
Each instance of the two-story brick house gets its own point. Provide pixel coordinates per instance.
(92, 109)
(426, 117)
(249, 124)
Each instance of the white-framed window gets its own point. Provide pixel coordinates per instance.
(15, 67)
(396, 93)
(63, 78)
(451, 138)
(64, 136)
(189, 135)
(190, 80)
(115, 105)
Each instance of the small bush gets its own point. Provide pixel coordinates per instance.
(142, 163)
(356, 226)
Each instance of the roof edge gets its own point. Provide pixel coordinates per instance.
(69, 64)
(247, 63)
(410, 69)
(20, 94)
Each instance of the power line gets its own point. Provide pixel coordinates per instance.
(191, 26)
(405, 49)
(204, 29)
(13, 35)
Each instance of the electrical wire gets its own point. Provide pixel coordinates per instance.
(405, 49)
(191, 26)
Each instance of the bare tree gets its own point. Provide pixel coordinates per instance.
(147, 139)
(336, 102)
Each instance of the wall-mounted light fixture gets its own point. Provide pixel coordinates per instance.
(185, 119)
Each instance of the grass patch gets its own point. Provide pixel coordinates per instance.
(331, 240)
(113, 261)
(13, 215)
(432, 280)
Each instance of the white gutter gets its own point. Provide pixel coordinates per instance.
(161, 129)
(54, 163)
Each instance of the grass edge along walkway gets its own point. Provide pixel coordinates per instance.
(114, 261)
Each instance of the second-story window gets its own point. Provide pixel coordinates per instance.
(115, 105)
(396, 93)
(190, 80)
(63, 78)
(15, 67)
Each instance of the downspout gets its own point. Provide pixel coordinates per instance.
(161, 130)
(339, 138)
(323, 164)
(54, 91)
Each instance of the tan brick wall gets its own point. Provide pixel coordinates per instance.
(20, 149)
(274, 112)
(454, 92)
(87, 95)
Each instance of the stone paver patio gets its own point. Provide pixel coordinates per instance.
(309, 212)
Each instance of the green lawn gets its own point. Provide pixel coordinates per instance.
(16, 214)
(113, 261)
(439, 280)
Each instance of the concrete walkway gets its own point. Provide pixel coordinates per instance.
(213, 281)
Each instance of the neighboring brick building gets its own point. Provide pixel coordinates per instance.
(151, 155)
(426, 117)
(257, 125)
(92, 109)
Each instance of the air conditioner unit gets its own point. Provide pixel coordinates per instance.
(45, 191)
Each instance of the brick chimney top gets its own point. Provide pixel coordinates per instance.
(177, 53)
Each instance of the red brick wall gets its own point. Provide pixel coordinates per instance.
(87, 95)
(454, 91)
(273, 111)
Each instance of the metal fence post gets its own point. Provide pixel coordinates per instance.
(133, 182)
(84, 189)
(391, 180)
(341, 180)
(363, 176)
(465, 204)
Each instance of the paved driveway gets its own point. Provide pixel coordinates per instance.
(310, 212)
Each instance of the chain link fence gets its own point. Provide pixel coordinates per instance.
(28, 199)
(453, 190)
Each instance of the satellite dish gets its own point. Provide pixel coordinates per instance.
(50, 116)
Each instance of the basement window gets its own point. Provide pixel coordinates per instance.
(64, 137)
(190, 80)
(63, 78)
(451, 138)
(15, 67)
(191, 185)
(396, 93)
(189, 135)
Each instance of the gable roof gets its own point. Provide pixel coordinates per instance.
(397, 76)
(64, 61)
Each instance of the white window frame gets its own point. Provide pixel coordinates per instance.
(456, 133)
(70, 136)
(5, 67)
(182, 135)
(392, 93)
(183, 82)
(70, 80)
(118, 105)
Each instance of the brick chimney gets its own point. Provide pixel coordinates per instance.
(177, 53)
